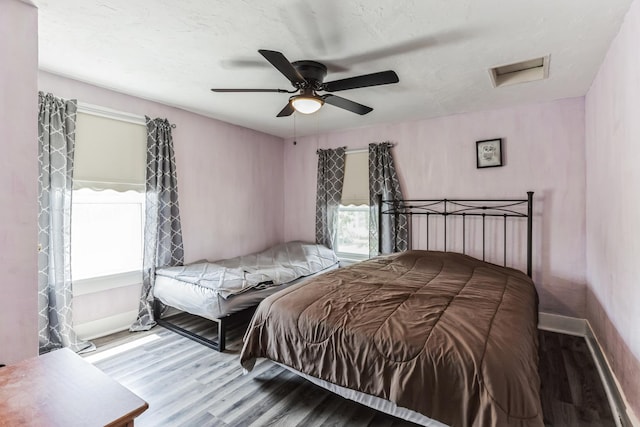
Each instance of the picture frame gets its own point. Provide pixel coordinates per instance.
(489, 153)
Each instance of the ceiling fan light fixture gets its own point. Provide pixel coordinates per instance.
(307, 104)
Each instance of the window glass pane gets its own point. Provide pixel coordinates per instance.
(353, 230)
(106, 233)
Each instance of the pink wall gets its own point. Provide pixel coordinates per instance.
(613, 206)
(230, 178)
(18, 181)
(544, 152)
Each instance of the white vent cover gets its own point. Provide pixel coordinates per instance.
(520, 72)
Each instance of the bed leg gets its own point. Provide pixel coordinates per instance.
(157, 309)
(222, 332)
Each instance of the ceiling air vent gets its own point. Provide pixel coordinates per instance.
(520, 72)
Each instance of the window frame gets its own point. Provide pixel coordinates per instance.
(120, 278)
(103, 282)
(352, 256)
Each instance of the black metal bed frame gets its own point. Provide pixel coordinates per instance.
(503, 208)
(222, 324)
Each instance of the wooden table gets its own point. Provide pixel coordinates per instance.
(61, 389)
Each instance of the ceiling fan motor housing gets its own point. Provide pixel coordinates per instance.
(312, 71)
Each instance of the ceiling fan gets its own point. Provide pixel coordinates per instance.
(307, 77)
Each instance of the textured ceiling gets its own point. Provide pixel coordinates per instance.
(174, 51)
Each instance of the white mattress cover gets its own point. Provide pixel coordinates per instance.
(208, 303)
(373, 402)
(274, 266)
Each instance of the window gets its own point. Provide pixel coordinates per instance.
(353, 214)
(106, 232)
(107, 212)
(353, 232)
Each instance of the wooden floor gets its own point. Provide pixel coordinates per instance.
(572, 393)
(187, 384)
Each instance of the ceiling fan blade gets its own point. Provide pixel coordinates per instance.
(286, 111)
(252, 90)
(283, 65)
(340, 102)
(374, 79)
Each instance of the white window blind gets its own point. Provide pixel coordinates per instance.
(355, 189)
(109, 154)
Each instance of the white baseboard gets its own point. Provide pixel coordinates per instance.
(105, 326)
(562, 324)
(581, 327)
(112, 324)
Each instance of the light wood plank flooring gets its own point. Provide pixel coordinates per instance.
(187, 384)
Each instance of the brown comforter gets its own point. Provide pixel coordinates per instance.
(443, 334)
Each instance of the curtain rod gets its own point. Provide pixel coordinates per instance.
(357, 150)
(97, 110)
(109, 113)
(366, 149)
(362, 150)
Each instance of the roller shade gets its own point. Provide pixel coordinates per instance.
(109, 154)
(355, 190)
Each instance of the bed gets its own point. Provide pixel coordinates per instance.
(228, 290)
(433, 337)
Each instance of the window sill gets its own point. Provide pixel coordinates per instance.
(348, 259)
(105, 283)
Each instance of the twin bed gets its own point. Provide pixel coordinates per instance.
(436, 338)
(228, 290)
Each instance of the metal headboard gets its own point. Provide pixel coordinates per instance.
(484, 208)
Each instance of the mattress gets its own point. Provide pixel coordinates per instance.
(442, 334)
(216, 289)
(374, 402)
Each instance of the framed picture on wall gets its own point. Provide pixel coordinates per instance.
(489, 153)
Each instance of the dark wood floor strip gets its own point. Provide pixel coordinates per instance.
(187, 384)
(572, 393)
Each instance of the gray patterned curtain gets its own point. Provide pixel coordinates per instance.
(330, 179)
(383, 180)
(56, 139)
(162, 230)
